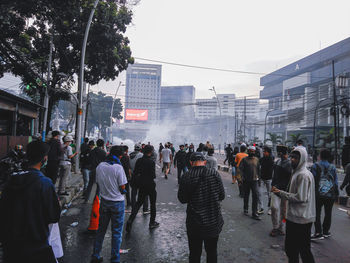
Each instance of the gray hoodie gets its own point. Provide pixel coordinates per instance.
(301, 194)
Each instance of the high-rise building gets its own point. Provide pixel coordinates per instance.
(142, 101)
(206, 108)
(177, 103)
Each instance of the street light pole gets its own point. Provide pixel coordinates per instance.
(80, 86)
(267, 113)
(112, 108)
(220, 131)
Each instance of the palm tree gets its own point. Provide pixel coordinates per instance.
(274, 139)
(295, 137)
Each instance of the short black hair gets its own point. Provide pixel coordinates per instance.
(325, 155)
(100, 143)
(86, 140)
(282, 149)
(116, 150)
(148, 149)
(267, 149)
(125, 148)
(243, 148)
(91, 142)
(197, 156)
(210, 151)
(300, 141)
(36, 151)
(55, 133)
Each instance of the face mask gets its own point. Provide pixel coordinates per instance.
(43, 163)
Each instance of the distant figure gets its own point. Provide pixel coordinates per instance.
(212, 162)
(266, 169)
(345, 155)
(161, 147)
(167, 159)
(54, 156)
(180, 162)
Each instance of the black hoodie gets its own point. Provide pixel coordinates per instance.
(28, 205)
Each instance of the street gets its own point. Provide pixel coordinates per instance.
(242, 239)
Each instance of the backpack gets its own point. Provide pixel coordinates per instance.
(326, 183)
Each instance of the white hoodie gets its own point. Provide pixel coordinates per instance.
(301, 194)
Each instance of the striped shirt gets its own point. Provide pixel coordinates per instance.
(202, 189)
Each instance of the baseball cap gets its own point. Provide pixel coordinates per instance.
(68, 138)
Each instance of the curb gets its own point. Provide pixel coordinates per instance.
(73, 188)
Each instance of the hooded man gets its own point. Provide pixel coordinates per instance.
(301, 211)
(29, 204)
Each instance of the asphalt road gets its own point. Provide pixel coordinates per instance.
(242, 239)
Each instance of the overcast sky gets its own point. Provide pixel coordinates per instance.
(249, 35)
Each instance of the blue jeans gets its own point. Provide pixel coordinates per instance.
(110, 211)
(86, 174)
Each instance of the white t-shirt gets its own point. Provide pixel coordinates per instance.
(166, 155)
(109, 177)
(67, 151)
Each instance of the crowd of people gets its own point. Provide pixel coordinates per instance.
(283, 187)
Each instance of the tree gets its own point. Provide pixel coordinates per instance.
(295, 137)
(27, 26)
(100, 111)
(274, 139)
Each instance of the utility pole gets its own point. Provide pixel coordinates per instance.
(80, 87)
(87, 110)
(335, 112)
(110, 118)
(46, 98)
(244, 117)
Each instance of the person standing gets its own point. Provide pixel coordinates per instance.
(250, 171)
(202, 190)
(144, 174)
(301, 209)
(239, 157)
(85, 145)
(346, 182)
(233, 165)
(188, 155)
(167, 159)
(180, 162)
(326, 190)
(29, 203)
(134, 156)
(228, 152)
(212, 162)
(111, 179)
(54, 157)
(65, 164)
(161, 147)
(97, 155)
(126, 165)
(281, 177)
(85, 161)
(266, 169)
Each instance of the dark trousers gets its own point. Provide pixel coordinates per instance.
(328, 205)
(253, 186)
(16, 255)
(134, 191)
(127, 195)
(180, 171)
(195, 244)
(297, 242)
(142, 195)
(52, 171)
(92, 180)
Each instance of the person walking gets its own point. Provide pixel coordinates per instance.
(346, 182)
(180, 162)
(85, 161)
(233, 165)
(144, 175)
(85, 145)
(281, 176)
(54, 157)
(134, 156)
(188, 155)
(250, 172)
(167, 159)
(239, 157)
(202, 190)
(212, 162)
(29, 203)
(266, 170)
(111, 179)
(228, 153)
(161, 147)
(301, 209)
(65, 165)
(125, 160)
(326, 190)
(97, 155)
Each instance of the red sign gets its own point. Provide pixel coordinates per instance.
(136, 115)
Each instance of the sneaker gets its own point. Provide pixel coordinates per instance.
(166, 177)
(317, 236)
(96, 260)
(273, 233)
(256, 217)
(146, 212)
(269, 212)
(128, 227)
(153, 225)
(246, 212)
(261, 211)
(327, 234)
(281, 232)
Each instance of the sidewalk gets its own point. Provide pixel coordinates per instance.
(74, 185)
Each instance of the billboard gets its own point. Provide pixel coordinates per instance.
(136, 115)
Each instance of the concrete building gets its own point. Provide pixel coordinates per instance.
(227, 103)
(143, 93)
(177, 103)
(206, 108)
(303, 89)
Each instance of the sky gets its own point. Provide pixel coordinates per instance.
(251, 35)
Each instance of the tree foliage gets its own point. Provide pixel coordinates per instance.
(274, 139)
(293, 138)
(26, 27)
(99, 113)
